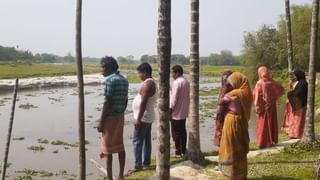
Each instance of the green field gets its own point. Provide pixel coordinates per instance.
(9, 71)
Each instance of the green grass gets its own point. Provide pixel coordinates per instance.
(151, 171)
(9, 71)
(23, 70)
(282, 166)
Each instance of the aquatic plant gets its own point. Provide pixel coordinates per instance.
(43, 141)
(27, 106)
(36, 148)
(18, 138)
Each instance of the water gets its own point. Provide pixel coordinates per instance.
(55, 118)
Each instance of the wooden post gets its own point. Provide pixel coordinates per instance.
(5, 160)
(81, 127)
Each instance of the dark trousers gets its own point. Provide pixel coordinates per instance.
(179, 135)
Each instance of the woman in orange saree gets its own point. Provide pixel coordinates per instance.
(265, 95)
(234, 144)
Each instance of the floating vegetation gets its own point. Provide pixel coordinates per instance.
(36, 148)
(41, 173)
(209, 92)
(26, 177)
(18, 139)
(30, 95)
(90, 116)
(85, 142)
(29, 174)
(88, 92)
(58, 142)
(66, 148)
(43, 141)
(27, 106)
(2, 103)
(55, 99)
(55, 151)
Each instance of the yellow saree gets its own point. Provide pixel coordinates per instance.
(235, 137)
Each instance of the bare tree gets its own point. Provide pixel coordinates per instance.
(81, 128)
(194, 153)
(289, 36)
(309, 135)
(164, 54)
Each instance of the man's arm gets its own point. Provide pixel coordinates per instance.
(174, 96)
(105, 109)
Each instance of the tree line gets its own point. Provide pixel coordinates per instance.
(11, 54)
(268, 45)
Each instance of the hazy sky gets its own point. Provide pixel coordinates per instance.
(129, 27)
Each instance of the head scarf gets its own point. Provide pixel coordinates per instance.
(241, 93)
(300, 75)
(270, 88)
(263, 73)
(226, 73)
(299, 95)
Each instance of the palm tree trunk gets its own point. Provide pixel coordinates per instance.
(81, 129)
(289, 36)
(6, 154)
(194, 152)
(164, 54)
(309, 135)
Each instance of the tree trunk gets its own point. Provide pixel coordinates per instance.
(309, 135)
(164, 54)
(194, 152)
(6, 154)
(81, 129)
(289, 36)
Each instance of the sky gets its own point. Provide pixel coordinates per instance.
(129, 27)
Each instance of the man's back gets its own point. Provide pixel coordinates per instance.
(180, 98)
(117, 92)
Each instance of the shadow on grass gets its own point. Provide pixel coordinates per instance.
(283, 162)
(274, 178)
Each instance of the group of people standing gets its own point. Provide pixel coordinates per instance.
(233, 114)
(111, 123)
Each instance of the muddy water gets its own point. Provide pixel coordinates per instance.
(54, 117)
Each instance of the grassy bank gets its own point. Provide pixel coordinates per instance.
(8, 71)
(284, 165)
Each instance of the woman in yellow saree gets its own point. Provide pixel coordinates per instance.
(235, 137)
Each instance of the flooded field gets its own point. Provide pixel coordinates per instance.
(45, 129)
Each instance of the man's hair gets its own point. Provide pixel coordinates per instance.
(110, 63)
(177, 69)
(145, 68)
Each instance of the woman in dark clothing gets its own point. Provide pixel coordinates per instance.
(297, 97)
